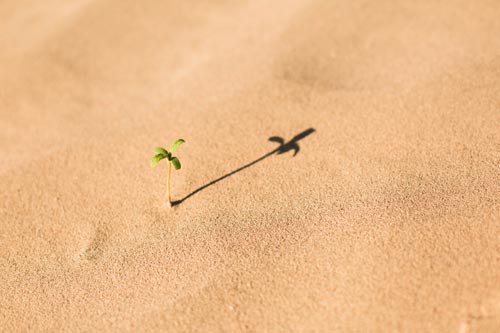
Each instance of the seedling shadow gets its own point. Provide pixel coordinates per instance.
(283, 147)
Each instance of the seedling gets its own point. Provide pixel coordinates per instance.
(162, 153)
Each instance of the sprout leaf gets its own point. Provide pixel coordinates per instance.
(177, 164)
(160, 150)
(176, 145)
(157, 158)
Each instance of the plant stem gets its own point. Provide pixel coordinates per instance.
(168, 184)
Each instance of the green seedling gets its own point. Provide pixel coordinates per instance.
(162, 153)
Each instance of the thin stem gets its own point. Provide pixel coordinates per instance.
(168, 183)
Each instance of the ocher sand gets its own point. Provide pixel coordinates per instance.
(386, 220)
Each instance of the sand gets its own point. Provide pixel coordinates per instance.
(386, 219)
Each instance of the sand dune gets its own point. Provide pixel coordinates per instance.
(387, 219)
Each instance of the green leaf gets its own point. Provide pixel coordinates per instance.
(157, 158)
(177, 164)
(176, 144)
(160, 150)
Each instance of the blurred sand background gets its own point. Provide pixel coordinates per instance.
(387, 220)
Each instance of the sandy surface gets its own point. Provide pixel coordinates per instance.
(387, 219)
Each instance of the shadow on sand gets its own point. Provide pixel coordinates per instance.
(282, 148)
